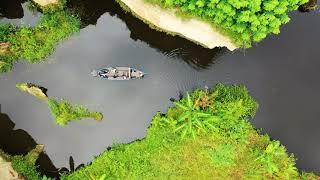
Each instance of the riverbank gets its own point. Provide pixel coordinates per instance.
(240, 23)
(166, 20)
(33, 44)
(206, 134)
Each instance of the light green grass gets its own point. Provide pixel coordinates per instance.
(64, 112)
(207, 134)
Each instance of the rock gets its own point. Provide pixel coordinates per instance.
(309, 6)
(44, 3)
(4, 48)
(34, 90)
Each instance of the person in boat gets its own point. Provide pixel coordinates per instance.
(103, 74)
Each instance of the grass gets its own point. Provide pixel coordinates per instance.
(224, 145)
(35, 43)
(63, 112)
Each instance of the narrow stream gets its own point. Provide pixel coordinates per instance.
(281, 73)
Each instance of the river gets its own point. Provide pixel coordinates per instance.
(281, 73)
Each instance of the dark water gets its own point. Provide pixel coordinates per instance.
(281, 73)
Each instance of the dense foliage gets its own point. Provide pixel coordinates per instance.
(35, 43)
(184, 144)
(244, 20)
(64, 112)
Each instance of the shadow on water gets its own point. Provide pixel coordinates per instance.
(19, 142)
(173, 47)
(11, 9)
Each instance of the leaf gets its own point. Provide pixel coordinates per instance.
(180, 105)
(200, 3)
(180, 127)
(189, 100)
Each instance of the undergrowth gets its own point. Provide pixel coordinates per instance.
(206, 134)
(64, 112)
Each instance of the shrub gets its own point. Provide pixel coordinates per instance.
(246, 21)
(63, 112)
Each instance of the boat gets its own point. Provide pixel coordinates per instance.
(118, 73)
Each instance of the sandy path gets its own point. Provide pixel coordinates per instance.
(193, 29)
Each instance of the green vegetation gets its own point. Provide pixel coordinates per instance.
(245, 21)
(64, 112)
(204, 135)
(25, 165)
(29, 171)
(35, 43)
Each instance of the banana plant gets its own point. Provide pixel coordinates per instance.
(65, 170)
(192, 120)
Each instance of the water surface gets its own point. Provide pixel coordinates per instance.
(281, 73)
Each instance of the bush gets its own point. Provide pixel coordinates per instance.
(246, 21)
(63, 112)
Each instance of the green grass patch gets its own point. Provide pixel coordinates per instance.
(206, 134)
(35, 43)
(244, 21)
(64, 112)
(29, 171)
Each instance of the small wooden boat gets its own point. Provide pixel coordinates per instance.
(118, 73)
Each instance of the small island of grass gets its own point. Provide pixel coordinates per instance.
(64, 112)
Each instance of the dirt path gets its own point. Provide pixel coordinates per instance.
(193, 29)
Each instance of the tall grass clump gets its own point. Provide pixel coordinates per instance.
(245, 21)
(64, 112)
(35, 43)
(204, 135)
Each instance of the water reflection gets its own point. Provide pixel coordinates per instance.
(173, 47)
(11, 9)
(19, 142)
